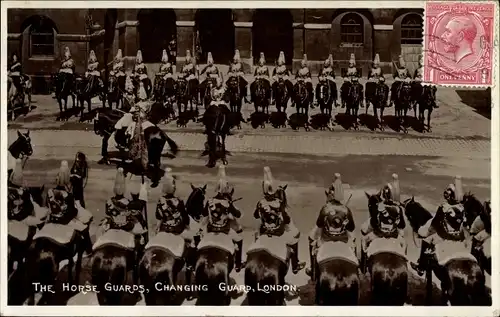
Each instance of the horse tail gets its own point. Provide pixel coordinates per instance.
(338, 284)
(109, 268)
(467, 284)
(263, 270)
(46, 265)
(389, 280)
(156, 266)
(212, 270)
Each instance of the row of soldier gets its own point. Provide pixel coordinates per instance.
(219, 215)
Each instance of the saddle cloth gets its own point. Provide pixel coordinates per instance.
(168, 241)
(449, 250)
(335, 249)
(18, 230)
(121, 238)
(274, 245)
(61, 234)
(380, 245)
(217, 240)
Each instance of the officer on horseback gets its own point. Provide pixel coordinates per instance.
(418, 77)
(218, 92)
(327, 71)
(322, 232)
(224, 196)
(271, 200)
(375, 72)
(15, 73)
(67, 69)
(166, 68)
(352, 71)
(453, 196)
(236, 70)
(281, 71)
(304, 74)
(261, 73)
(118, 68)
(92, 66)
(140, 74)
(211, 69)
(189, 69)
(401, 75)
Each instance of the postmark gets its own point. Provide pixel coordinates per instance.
(459, 43)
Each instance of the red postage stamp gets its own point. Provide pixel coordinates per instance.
(459, 42)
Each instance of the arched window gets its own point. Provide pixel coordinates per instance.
(412, 29)
(42, 37)
(351, 29)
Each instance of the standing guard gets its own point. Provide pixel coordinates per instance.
(304, 74)
(261, 73)
(118, 67)
(327, 226)
(92, 71)
(67, 69)
(281, 71)
(236, 69)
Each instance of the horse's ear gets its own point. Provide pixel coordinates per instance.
(326, 193)
(412, 199)
(232, 191)
(204, 187)
(367, 195)
(28, 133)
(192, 186)
(19, 134)
(284, 187)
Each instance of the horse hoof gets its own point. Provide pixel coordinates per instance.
(224, 162)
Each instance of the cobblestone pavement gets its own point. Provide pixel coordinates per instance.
(459, 116)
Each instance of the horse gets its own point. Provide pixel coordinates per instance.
(282, 95)
(354, 98)
(182, 95)
(217, 127)
(19, 149)
(87, 88)
(148, 85)
(336, 265)
(402, 103)
(301, 97)
(235, 93)
(114, 93)
(64, 87)
(161, 112)
(426, 101)
(481, 241)
(327, 96)
(370, 93)
(16, 99)
(261, 96)
(379, 101)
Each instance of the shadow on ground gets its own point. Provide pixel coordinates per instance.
(480, 100)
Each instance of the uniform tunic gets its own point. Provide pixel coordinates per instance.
(92, 69)
(141, 71)
(375, 73)
(68, 66)
(118, 69)
(190, 71)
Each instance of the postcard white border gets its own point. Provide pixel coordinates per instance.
(493, 310)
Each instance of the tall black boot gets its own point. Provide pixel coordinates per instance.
(296, 265)
(238, 256)
(420, 265)
(311, 271)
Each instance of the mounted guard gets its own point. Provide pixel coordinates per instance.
(276, 222)
(67, 70)
(164, 86)
(351, 77)
(352, 71)
(281, 72)
(418, 77)
(166, 67)
(236, 70)
(118, 67)
(140, 75)
(335, 223)
(401, 75)
(191, 74)
(261, 73)
(375, 72)
(16, 76)
(327, 72)
(92, 72)
(304, 74)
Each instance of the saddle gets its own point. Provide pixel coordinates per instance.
(18, 230)
(389, 245)
(170, 242)
(120, 238)
(217, 240)
(336, 250)
(275, 246)
(60, 234)
(448, 250)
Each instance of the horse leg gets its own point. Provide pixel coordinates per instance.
(59, 101)
(429, 112)
(224, 159)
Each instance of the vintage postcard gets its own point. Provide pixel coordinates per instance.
(290, 154)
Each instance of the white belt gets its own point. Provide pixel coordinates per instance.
(66, 70)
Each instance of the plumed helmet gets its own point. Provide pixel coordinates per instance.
(119, 188)
(92, 57)
(67, 52)
(268, 183)
(338, 188)
(63, 176)
(396, 192)
(402, 63)
(138, 58)
(129, 85)
(376, 60)
(169, 186)
(188, 56)
(459, 190)
(303, 63)
(164, 57)
(17, 175)
(237, 57)
(210, 59)
(352, 60)
(281, 58)
(262, 59)
(119, 55)
(223, 186)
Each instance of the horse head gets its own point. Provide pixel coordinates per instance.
(21, 146)
(195, 201)
(373, 201)
(472, 209)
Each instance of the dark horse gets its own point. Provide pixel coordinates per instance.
(116, 86)
(379, 102)
(353, 99)
(206, 91)
(301, 97)
(87, 88)
(402, 103)
(164, 88)
(148, 86)
(20, 149)
(234, 90)
(64, 87)
(478, 222)
(261, 96)
(217, 126)
(426, 101)
(282, 95)
(326, 93)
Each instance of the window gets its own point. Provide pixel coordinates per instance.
(42, 38)
(351, 29)
(412, 29)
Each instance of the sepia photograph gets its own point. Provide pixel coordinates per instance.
(228, 156)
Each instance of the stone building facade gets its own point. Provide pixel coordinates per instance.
(39, 36)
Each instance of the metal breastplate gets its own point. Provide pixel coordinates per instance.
(15, 203)
(352, 71)
(235, 68)
(171, 217)
(262, 71)
(304, 72)
(376, 72)
(140, 69)
(281, 70)
(59, 204)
